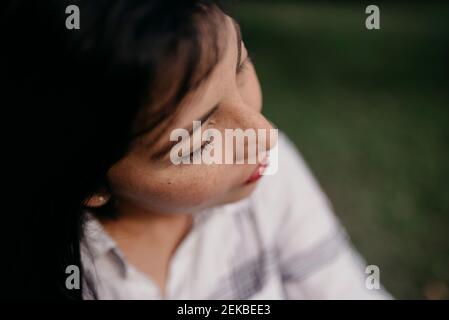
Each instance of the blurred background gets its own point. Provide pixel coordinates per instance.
(369, 111)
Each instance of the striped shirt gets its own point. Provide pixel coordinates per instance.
(281, 242)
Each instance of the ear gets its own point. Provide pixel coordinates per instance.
(97, 200)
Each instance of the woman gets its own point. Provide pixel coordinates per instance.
(100, 104)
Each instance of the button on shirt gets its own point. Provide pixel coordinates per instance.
(281, 242)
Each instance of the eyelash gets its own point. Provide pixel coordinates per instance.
(199, 151)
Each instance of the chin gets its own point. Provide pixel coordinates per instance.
(239, 193)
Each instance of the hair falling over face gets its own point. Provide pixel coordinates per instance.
(76, 100)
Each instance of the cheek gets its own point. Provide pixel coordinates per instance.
(190, 185)
(172, 189)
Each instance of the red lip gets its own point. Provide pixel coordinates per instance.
(258, 173)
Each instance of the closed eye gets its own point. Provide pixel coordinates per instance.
(197, 153)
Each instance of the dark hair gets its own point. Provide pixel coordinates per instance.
(77, 98)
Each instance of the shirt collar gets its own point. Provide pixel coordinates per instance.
(100, 244)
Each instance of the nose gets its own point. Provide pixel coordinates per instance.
(266, 135)
(270, 137)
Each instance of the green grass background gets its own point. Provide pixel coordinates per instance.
(369, 112)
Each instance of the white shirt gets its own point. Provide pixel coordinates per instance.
(282, 242)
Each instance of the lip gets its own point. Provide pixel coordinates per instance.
(258, 173)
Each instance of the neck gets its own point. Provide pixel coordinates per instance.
(133, 222)
(148, 239)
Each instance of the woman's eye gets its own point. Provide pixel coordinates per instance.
(195, 155)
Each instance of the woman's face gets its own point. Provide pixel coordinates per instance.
(231, 98)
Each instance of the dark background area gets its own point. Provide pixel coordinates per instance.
(368, 109)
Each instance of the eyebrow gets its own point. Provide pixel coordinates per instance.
(239, 42)
(164, 150)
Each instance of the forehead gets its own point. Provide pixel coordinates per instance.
(204, 97)
(222, 73)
